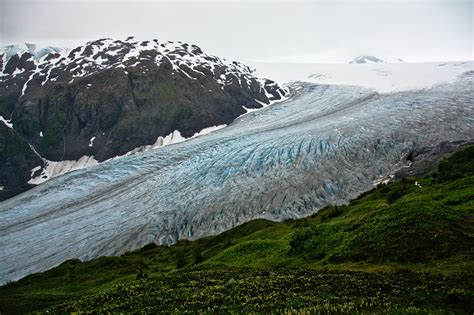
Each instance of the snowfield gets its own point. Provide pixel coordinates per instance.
(324, 145)
(382, 77)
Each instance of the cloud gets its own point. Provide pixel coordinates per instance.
(301, 31)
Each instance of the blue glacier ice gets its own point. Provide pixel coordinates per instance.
(324, 145)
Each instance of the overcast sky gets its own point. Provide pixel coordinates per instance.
(273, 31)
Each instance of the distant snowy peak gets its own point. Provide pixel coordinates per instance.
(366, 59)
(371, 60)
(36, 52)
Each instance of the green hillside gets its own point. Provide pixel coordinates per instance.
(398, 248)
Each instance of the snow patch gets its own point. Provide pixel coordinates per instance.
(264, 105)
(18, 71)
(172, 138)
(26, 83)
(101, 60)
(207, 130)
(55, 168)
(6, 122)
(34, 170)
(91, 142)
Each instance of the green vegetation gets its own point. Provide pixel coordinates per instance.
(53, 134)
(11, 144)
(398, 248)
(235, 290)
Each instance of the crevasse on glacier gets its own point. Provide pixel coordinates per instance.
(324, 145)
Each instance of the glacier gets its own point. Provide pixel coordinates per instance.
(324, 145)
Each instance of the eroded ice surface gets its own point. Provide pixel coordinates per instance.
(324, 145)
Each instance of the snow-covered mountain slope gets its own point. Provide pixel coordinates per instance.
(110, 97)
(36, 52)
(325, 145)
(56, 64)
(382, 77)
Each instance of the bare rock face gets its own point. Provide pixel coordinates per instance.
(17, 160)
(123, 94)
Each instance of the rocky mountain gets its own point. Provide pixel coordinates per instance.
(109, 97)
(367, 59)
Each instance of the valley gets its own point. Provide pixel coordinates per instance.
(325, 145)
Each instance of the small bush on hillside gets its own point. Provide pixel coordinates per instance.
(198, 257)
(300, 238)
(149, 246)
(332, 212)
(459, 165)
(141, 275)
(180, 258)
(301, 223)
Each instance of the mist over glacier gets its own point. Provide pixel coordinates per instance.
(324, 145)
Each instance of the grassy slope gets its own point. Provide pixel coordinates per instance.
(398, 247)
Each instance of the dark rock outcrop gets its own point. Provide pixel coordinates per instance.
(17, 160)
(422, 160)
